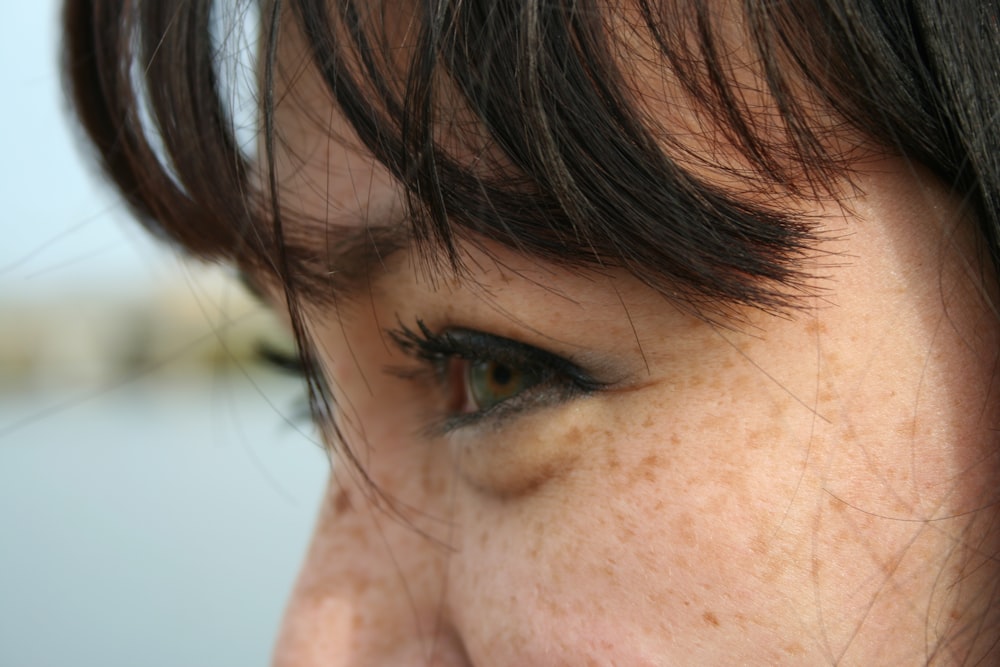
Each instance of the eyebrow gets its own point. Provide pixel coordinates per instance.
(342, 262)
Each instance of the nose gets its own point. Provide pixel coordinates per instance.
(372, 590)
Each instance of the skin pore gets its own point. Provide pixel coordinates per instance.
(810, 487)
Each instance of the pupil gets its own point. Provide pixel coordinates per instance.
(501, 374)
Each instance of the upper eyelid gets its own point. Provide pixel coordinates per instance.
(562, 379)
(472, 344)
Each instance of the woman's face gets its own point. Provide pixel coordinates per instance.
(627, 484)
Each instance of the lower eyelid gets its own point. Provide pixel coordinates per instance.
(540, 397)
(508, 459)
(445, 356)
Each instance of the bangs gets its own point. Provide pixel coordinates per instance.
(577, 133)
(668, 140)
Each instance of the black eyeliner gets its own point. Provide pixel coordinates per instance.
(559, 378)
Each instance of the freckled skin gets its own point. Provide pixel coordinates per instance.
(806, 489)
(803, 516)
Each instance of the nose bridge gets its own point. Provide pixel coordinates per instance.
(372, 590)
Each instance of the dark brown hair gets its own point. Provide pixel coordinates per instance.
(561, 152)
(571, 160)
(586, 177)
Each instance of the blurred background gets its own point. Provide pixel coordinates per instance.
(157, 484)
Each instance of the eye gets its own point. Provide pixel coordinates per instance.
(491, 382)
(486, 376)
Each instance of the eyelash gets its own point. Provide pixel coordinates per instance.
(559, 379)
(288, 363)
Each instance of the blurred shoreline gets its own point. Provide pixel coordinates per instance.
(203, 323)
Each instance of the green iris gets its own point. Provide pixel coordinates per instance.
(492, 382)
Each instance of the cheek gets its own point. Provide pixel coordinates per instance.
(691, 528)
(657, 548)
(785, 498)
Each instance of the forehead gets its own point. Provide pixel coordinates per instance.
(716, 119)
(325, 174)
(557, 148)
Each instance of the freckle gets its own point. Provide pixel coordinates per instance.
(794, 649)
(647, 468)
(889, 567)
(815, 327)
(341, 503)
(356, 534)
(484, 538)
(708, 423)
(574, 436)
(837, 505)
(907, 428)
(711, 619)
(648, 423)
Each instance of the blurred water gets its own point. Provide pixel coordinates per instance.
(155, 521)
(157, 524)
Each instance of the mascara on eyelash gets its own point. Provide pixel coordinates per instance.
(473, 345)
(558, 379)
